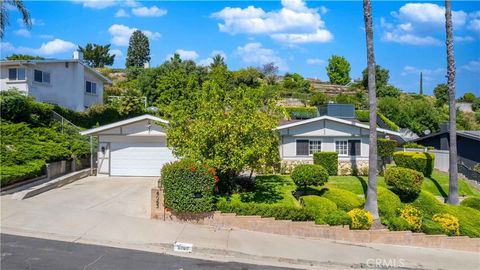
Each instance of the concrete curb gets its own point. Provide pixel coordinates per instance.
(52, 184)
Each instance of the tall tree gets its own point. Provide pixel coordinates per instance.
(453, 171)
(138, 50)
(441, 94)
(382, 75)
(5, 6)
(269, 71)
(24, 57)
(338, 70)
(421, 83)
(97, 56)
(371, 203)
(218, 60)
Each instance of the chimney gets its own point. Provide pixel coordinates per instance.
(78, 55)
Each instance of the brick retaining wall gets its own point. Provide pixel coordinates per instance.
(310, 229)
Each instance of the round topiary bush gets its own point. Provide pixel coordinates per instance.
(472, 202)
(406, 182)
(344, 199)
(338, 217)
(188, 187)
(318, 205)
(361, 219)
(419, 161)
(449, 223)
(309, 175)
(413, 217)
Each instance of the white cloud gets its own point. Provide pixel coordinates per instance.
(474, 25)
(428, 74)
(152, 11)
(428, 13)
(55, 46)
(185, 54)
(46, 36)
(472, 66)
(410, 39)
(35, 22)
(463, 38)
(121, 34)
(121, 13)
(294, 23)
(117, 52)
(101, 4)
(316, 61)
(254, 53)
(23, 32)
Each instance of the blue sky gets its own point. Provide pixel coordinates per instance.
(298, 36)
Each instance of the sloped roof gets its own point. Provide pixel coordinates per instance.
(338, 120)
(125, 122)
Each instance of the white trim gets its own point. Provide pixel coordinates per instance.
(343, 121)
(342, 140)
(315, 140)
(94, 131)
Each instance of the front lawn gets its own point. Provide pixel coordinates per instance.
(273, 196)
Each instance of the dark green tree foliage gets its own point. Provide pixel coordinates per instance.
(382, 76)
(338, 70)
(138, 50)
(218, 60)
(318, 99)
(388, 91)
(24, 57)
(309, 175)
(468, 97)
(97, 56)
(296, 83)
(250, 77)
(8, 5)
(385, 149)
(441, 93)
(406, 182)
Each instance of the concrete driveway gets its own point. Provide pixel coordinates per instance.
(128, 196)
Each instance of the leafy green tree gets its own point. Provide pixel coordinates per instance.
(476, 105)
(218, 60)
(269, 72)
(318, 99)
(441, 93)
(131, 102)
(388, 91)
(5, 7)
(138, 50)
(296, 83)
(468, 97)
(338, 70)
(97, 56)
(249, 76)
(14, 57)
(382, 76)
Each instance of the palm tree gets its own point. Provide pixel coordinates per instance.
(371, 201)
(218, 60)
(453, 172)
(5, 5)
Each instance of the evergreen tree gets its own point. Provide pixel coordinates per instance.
(338, 70)
(97, 56)
(138, 50)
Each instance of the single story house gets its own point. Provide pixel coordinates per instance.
(69, 83)
(132, 147)
(299, 140)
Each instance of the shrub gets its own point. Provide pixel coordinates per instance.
(361, 219)
(449, 223)
(278, 212)
(344, 199)
(472, 202)
(428, 204)
(329, 160)
(431, 227)
(301, 112)
(419, 161)
(362, 115)
(405, 181)
(477, 166)
(388, 202)
(188, 186)
(309, 175)
(318, 98)
(397, 224)
(391, 125)
(386, 148)
(16, 173)
(321, 207)
(413, 145)
(338, 217)
(412, 216)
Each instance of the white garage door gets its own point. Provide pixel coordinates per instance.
(138, 159)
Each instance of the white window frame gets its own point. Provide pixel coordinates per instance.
(43, 77)
(346, 141)
(91, 84)
(16, 74)
(317, 141)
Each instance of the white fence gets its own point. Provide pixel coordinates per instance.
(441, 157)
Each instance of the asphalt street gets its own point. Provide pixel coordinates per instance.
(20, 252)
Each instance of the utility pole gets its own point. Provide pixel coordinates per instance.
(421, 84)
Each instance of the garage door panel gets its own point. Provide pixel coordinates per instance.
(139, 159)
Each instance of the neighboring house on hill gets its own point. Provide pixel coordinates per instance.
(468, 143)
(69, 83)
(335, 130)
(464, 106)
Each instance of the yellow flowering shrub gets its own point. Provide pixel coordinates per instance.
(361, 219)
(413, 216)
(449, 223)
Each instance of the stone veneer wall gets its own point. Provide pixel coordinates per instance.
(345, 167)
(310, 229)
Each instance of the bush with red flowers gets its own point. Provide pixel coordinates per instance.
(188, 187)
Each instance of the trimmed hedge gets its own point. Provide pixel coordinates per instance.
(338, 217)
(419, 161)
(391, 125)
(388, 203)
(386, 148)
(328, 160)
(362, 115)
(344, 199)
(279, 212)
(321, 207)
(309, 175)
(16, 173)
(472, 202)
(301, 112)
(188, 186)
(405, 181)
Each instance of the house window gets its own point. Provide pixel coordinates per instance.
(314, 146)
(354, 148)
(16, 74)
(41, 76)
(91, 87)
(341, 147)
(302, 147)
